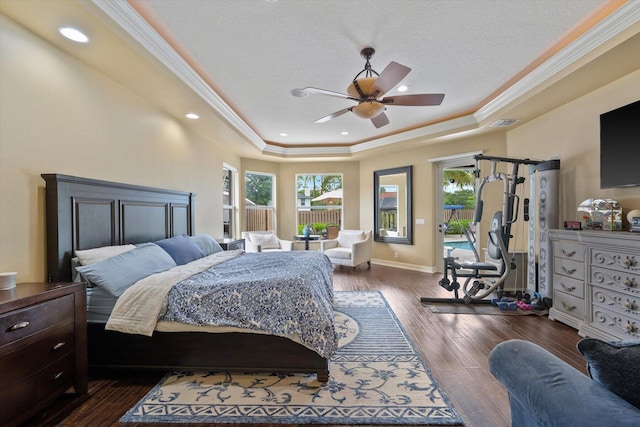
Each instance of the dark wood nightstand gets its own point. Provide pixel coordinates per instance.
(43, 347)
(231, 244)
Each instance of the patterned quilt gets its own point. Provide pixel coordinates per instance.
(283, 293)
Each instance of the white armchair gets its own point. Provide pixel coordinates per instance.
(264, 241)
(351, 248)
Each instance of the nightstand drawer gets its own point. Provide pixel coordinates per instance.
(40, 388)
(43, 349)
(18, 324)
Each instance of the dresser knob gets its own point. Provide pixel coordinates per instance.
(631, 282)
(568, 270)
(20, 325)
(568, 253)
(630, 327)
(567, 288)
(630, 262)
(568, 307)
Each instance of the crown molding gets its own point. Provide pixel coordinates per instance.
(121, 12)
(124, 15)
(618, 21)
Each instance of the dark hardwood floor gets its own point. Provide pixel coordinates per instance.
(454, 347)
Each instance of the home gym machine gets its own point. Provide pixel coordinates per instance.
(484, 278)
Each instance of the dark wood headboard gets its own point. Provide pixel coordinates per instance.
(87, 213)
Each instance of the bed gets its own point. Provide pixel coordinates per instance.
(84, 213)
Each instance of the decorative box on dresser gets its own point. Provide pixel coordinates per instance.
(596, 282)
(43, 347)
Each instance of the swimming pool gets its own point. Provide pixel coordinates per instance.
(463, 244)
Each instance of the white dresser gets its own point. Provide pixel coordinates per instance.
(596, 282)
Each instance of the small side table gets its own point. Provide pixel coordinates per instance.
(231, 244)
(307, 239)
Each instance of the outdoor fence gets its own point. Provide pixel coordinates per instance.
(261, 219)
(462, 214)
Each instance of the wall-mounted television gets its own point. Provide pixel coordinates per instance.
(620, 147)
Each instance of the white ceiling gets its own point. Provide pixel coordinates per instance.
(241, 58)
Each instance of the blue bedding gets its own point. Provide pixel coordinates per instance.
(280, 293)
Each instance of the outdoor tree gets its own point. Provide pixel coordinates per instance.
(259, 189)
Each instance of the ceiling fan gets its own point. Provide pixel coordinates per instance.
(368, 88)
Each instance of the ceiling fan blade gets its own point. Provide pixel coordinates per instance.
(415, 100)
(390, 76)
(333, 115)
(380, 120)
(313, 90)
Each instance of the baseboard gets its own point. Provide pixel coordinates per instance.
(421, 268)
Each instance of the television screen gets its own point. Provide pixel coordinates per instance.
(620, 147)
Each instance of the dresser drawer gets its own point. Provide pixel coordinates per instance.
(623, 261)
(18, 324)
(568, 250)
(627, 283)
(568, 268)
(621, 326)
(43, 349)
(618, 302)
(568, 285)
(569, 304)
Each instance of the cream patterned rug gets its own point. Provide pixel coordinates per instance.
(375, 378)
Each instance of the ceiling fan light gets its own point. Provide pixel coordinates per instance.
(368, 109)
(365, 84)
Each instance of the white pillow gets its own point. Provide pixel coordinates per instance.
(90, 256)
(347, 238)
(266, 241)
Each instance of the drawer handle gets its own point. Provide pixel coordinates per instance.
(568, 307)
(630, 262)
(631, 305)
(57, 376)
(631, 283)
(630, 327)
(58, 346)
(20, 325)
(567, 288)
(568, 270)
(567, 253)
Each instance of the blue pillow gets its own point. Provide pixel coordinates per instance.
(181, 248)
(207, 243)
(118, 273)
(614, 365)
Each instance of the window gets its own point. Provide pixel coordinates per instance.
(319, 201)
(259, 197)
(229, 206)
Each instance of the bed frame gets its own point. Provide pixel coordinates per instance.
(86, 213)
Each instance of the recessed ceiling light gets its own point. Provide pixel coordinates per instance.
(344, 133)
(284, 134)
(403, 88)
(73, 34)
(192, 116)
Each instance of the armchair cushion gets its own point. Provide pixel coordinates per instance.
(614, 365)
(266, 241)
(348, 237)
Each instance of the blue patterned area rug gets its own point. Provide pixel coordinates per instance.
(376, 378)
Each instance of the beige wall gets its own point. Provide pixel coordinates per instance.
(572, 132)
(421, 255)
(59, 116)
